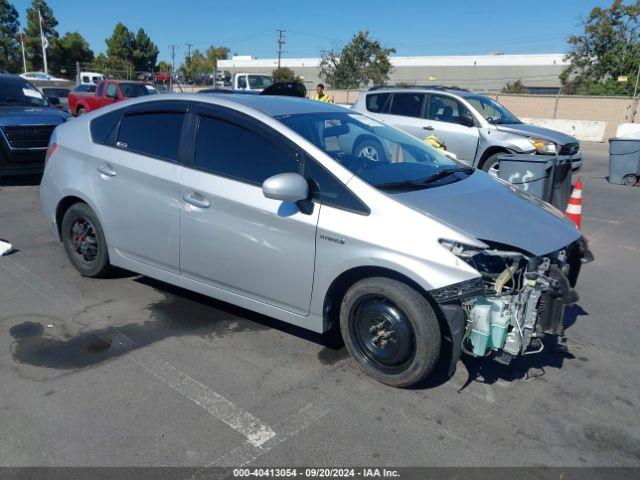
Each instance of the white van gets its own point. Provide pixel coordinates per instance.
(91, 78)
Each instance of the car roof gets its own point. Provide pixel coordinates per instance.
(426, 89)
(5, 77)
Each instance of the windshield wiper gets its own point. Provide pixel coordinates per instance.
(426, 182)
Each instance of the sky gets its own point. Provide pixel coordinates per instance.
(412, 27)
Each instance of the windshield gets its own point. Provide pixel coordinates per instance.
(381, 155)
(130, 90)
(20, 93)
(259, 81)
(492, 111)
(56, 92)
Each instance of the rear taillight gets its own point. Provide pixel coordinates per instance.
(52, 148)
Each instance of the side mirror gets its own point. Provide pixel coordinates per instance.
(467, 120)
(54, 102)
(287, 187)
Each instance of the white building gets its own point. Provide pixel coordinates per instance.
(484, 73)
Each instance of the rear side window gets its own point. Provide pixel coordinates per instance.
(229, 150)
(378, 102)
(155, 134)
(407, 104)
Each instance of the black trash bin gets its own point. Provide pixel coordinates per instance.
(624, 161)
(544, 176)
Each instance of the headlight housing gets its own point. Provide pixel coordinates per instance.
(489, 262)
(543, 147)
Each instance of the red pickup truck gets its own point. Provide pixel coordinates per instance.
(108, 92)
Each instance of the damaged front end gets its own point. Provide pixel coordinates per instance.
(518, 300)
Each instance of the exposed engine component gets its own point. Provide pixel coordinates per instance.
(524, 298)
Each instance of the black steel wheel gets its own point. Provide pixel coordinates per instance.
(84, 241)
(390, 330)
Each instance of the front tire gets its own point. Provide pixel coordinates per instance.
(391, 331)
(491, 165)
(80, 111)
(371, 149)
(84, 241)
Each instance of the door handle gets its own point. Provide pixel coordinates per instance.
(428, 127)
(107, 170)
(192, 199)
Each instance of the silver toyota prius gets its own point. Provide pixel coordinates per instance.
(261, 202)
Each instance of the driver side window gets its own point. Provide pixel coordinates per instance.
(443, 108)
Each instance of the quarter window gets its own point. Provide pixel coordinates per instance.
(156, 134)
(407, 104)
(227, 149)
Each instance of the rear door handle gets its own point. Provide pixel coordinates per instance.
(428, 127)
(196, 200)
(107, 170)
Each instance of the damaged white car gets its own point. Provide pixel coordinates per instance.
(260, 201)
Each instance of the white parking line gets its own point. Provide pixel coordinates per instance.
(256, 432)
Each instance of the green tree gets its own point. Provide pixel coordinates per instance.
(285, 74)
(120, 44)
(68, 50)
(163, 67)
(33, 45)
(361, 62)
(201, 64)
(9, 46)
(514, 87)
(608, 48)
(145, 52)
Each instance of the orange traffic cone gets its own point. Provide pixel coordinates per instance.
(574, 208)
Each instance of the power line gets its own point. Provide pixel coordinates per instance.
(281, 41)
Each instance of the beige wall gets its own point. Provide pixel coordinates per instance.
(611, 110)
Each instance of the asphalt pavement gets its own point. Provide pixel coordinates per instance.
(131, 371)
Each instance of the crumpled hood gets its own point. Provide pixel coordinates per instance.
(491, 210)
(23, 115)
(538, 132)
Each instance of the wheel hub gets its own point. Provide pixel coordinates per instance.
(83, 238)
(382, 332)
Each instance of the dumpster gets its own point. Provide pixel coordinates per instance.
(544, 176)
(624, 161)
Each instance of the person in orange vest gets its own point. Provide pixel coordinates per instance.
(321, 96)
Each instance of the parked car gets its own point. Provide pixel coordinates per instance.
(26, 122)
(254, 200)
(474, 127)
(250, 81)
(61, 93)
(34, 76)
(106, 93)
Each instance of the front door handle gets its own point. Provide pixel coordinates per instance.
(196, 200)
(428, 127)
(107, 170)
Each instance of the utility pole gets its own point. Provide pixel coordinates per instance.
(173, 65)
(189, 45)
(281, 41)
(634, 104)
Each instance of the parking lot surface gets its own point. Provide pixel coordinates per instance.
(131, 371)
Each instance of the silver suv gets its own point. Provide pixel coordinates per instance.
(260, 202)
(475, 128)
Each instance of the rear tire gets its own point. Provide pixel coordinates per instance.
(84, 241)
(391, 331)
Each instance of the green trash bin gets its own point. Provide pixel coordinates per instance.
(544, 176)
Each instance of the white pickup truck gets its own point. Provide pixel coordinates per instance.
(250, 81)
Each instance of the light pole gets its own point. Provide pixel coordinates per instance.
(20, 37)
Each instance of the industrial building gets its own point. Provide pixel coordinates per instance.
(540, 73)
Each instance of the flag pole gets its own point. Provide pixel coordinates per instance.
(24, 58)
(44, 42)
